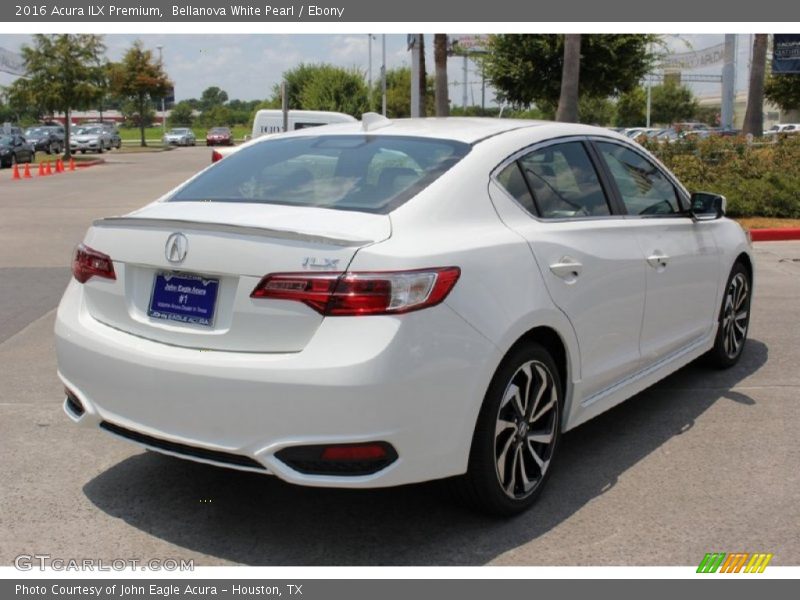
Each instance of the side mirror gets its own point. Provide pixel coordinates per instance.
(706, 206)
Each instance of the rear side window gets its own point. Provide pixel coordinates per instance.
(348, 172)
(563, 182)
(645, 190)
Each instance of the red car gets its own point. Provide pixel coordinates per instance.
(219, 136)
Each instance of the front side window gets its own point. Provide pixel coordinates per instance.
(645, 190)
(564, 182)
(369, 173)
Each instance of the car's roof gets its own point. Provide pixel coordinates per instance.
(463, 129)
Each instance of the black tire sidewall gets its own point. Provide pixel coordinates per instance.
(718, 354)
(482, 471)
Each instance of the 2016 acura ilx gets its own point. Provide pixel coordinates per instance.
(385, 302)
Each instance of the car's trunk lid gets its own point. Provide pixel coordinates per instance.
(228, 249)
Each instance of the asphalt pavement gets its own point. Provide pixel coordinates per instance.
(704, 461)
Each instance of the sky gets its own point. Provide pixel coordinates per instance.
(247, 66)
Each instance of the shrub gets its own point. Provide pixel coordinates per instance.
(759, 180)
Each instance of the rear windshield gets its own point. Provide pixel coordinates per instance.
(369, 173)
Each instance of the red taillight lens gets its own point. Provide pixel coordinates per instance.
(350, 294)
(215, 156)
(88, 263)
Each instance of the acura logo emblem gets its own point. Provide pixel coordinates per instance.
(176, 248)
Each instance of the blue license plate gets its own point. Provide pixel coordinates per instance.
(184, 298)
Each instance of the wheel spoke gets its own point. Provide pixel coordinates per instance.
(512, 483)
(501, 459)
(540, 437)
(540, 390)
(537, 459)
(512, 393)
(503, 425)
(550, 404)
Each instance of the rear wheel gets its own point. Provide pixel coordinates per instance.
(734, 319)
(516, 436)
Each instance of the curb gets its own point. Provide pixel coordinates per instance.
(775, 235)
(89, 163)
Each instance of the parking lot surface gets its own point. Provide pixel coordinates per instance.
(705, 461)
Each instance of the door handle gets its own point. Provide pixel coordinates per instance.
(658, 260)
(567, 268)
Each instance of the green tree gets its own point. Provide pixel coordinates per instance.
(671, 102)
(596, 111)
(140, 80)
(62, 74)
(181, 115)
(216, 116)
(783, 90)
(632, 108)
(336, 89)
(526, 69)
(212, 96)
(323, 87)
(398, 93)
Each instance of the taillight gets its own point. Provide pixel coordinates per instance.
(351, 294)
(88, 263)
(215, 156)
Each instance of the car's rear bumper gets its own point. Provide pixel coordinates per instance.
(414, 381)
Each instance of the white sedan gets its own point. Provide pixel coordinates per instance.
(387, 302)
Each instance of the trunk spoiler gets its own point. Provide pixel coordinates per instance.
(128, 222)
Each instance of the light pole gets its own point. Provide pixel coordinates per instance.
(163, 110)
(383, 75)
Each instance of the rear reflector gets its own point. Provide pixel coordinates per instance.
(339, 459)
(351, 294)
(88, 263)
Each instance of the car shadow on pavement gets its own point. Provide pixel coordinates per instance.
(258, 520)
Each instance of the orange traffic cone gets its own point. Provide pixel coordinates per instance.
(48, 170)
(41, 170)
(16, 172)
(27, 173)
(59, 166)
(71, 164)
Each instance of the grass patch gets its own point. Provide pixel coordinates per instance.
(41, 157)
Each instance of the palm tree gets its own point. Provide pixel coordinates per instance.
(754, 116)
(570, 76)
(440, 59)
(423, 76)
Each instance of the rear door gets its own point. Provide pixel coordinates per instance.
(591, 262)
(681, 257)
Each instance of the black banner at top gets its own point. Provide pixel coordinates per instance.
(381, 11)
(786, 54)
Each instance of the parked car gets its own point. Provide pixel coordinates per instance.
(92, 138)
(219, 136)
(9, 129)
(14, 149)
(45, 139)
(111, 129)
(181, 136)
(388, 302)
(787, 128)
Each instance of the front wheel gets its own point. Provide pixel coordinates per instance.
(516, 436)
(734, 319)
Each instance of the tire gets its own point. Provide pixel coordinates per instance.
(734, 319)
(32, 157)
(83, 151)
(524, 400)
(51, 149)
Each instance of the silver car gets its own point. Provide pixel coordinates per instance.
(92, 139)
(180, 136)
